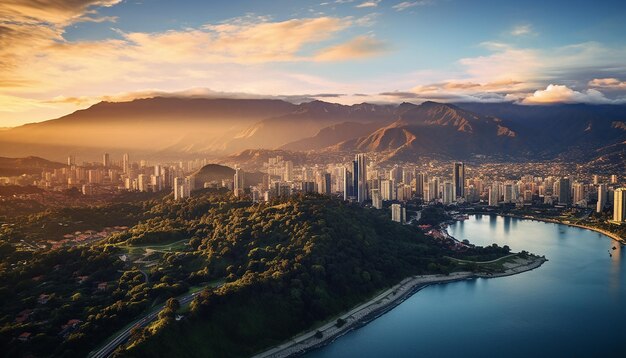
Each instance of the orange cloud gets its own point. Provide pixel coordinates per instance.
(563, 94)
(358, 47)
(608, 83)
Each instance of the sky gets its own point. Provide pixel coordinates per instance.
(58, 56)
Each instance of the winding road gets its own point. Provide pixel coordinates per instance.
(121, 337)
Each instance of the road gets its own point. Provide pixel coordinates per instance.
(123, 336)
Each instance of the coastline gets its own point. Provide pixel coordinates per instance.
(600, 231)
(379, 305)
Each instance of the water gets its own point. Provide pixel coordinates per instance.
(572, 306)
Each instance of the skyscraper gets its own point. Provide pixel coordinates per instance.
(387, 190)
(326, 184)
(238, 182)
(565, 191)
(360, 177)
(348, 184)
(601, 198)
(619, 205)
(448, 193)
(377, 200)
(459, 179)
(493, 196)
(579, 193)
(126, 163)
(106, 161)
(419, 184)
(288, 174)
(398, 213)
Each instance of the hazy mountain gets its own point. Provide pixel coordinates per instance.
(437, 129)
(28, 165)
(333, 134)
(178, 127)
(554, 129)
(306, 121)
(216, 172)
(141, 126)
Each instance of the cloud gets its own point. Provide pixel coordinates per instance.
(358, 47)
(409, 4)
(370, 3)
(238, 41)
(53, 12)
(563, 94)
(608, 83)
(521, 30)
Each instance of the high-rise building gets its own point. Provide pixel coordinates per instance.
(398, 213)
(508, 193)
(106, 160)
(142, 182)
(395, 174)
(613, 179)
(448, 193)
(419, 184)
(348, 184)
(565, 191)
(387, 190)
(326, 184)
(181, 190)
(459, 179)
(601, 198)
(407, 176)
(377, 200)
(238, 182)
(71, 160)
(288, 175)
(360, 177)
(619, 205)
(126, 163)
(579, 193)
(308, 186)
(494, 196)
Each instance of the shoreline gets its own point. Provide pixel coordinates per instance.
(600, 231)
(379, 305)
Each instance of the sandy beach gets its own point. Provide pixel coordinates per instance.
(382, 303)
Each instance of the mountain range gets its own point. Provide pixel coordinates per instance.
(178, 127)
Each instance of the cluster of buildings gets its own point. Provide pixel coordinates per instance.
(109, 176)
(361, 180)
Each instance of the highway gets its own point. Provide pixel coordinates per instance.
(123, 336)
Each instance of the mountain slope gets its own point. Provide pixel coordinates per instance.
(28, 165)
(333, 134)
(437, 129)
(140, 126)
(307, 120)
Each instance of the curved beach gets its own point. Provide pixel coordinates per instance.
(381, 304)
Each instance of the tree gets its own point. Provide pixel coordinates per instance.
(173, 304)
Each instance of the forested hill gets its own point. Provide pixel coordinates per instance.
(288, 266)
(285, 265)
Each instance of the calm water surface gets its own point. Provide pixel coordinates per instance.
(572, 306)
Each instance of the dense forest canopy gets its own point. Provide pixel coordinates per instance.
(285, 266)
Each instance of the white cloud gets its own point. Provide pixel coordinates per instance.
(369, 3)
(563, 94)
(409, 4)
(522, 30)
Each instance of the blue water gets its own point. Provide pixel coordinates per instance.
(572, 306)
